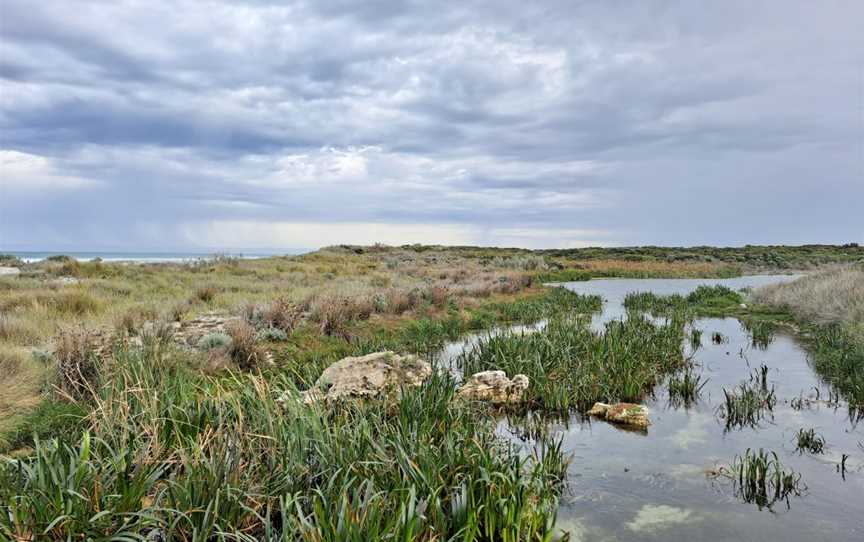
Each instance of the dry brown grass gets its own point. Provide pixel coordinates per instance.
(650, 268)
(244, 350)
(831, 296)
(77, 372)
(23, 378)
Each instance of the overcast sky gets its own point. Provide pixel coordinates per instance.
(143, 125)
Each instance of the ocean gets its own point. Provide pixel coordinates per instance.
(145, 257)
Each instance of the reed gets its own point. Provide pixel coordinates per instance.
(684, 387)
(807, 440)
(570, 366)
(749, 403)
(760, 478)
(173, 454)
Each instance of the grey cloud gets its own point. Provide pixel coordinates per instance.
(695, 116)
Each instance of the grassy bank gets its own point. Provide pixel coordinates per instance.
(828, 306)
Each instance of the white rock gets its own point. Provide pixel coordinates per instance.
(494, 387)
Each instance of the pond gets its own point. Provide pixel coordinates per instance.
(626, 485)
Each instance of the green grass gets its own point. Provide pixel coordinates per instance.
(837, 354)
(760, 478)
(705, 300)
(807, 440)
(570, 366)
(761, 331)
(749, 403)
(564, 275)
(204, 458)
(684, 387)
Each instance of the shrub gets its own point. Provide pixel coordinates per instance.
(76, 354)
(214, 340)
(272, 334)
(130, 321)
(206, 294)
(280, 314)
(243, 349)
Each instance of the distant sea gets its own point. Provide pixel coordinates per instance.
(145, 257)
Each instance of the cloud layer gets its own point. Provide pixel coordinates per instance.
(182, 125)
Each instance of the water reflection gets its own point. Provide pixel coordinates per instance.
(654, 486)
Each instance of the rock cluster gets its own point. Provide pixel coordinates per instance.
(365, 377)
(622, 413)
(494, 387)
(189, 333)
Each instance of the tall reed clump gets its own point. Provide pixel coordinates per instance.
(750, 402)
(761, 478)
(571, 366)
(175, 455)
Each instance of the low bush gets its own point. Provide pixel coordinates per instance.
(76, 355)
(214, 340)
(243, 348)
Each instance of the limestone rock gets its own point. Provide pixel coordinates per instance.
(366, 377)
(622, 413)
(9, 271)
(189, 332)
(494, 387)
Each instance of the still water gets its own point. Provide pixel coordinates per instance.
(625, 485)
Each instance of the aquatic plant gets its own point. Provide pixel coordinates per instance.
(761, 478)
(704, 300)
(749, 403)
(570, 366)
(807, 440)
(191, 457)
(695, 339)
(684, 387)
(761, 331)
(838, 356)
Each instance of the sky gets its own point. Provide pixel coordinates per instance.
(194, 125)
